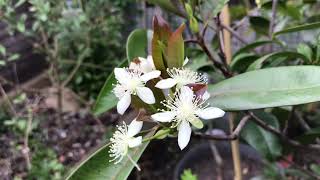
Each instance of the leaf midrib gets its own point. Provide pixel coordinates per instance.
(127, 160)
(225, 92)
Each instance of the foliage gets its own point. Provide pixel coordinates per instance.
(44, 161)
(103, 35)
(269, 74)
(98, 166)
(254, 79)
(266, 143)
(88, 36)
(45, 164)
(188, 175)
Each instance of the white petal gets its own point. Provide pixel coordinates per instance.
(150, 63)
(139, 64)
(147, 65)
(134, 65)
(121, 75)
(124, 103)
(134, 142)
(210, 113)
(186, 94)
(134, 128)
(119, 91)
(150, 75)
(166, 83)
(205, 96)
(142, 59)
(184, 134)
(146, 95)
(164, 116)
(150, 60)
(186, 60)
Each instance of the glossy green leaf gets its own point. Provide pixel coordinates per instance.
(21, 26)
(299, 28)
(237, 12)
(219, 6)
(137, 44)
(188, 10)
(314, 18)
(309, 136)
(162, 133)
(318, 49)
(263, 141)
(315, 168)
(106, 99)
(253, 46)
(260, 24)
(271, 87)
(98, 167)
(2, 50)
(194, 25)
(19, 3)
(188, 175)
(285, 9)
(305, 50)
(293, 11)
(13, 57)
(275, 62)
(241, 62)
(273, 56)
(198, 62)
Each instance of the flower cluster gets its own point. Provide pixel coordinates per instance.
(183, 107)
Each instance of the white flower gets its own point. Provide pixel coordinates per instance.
(132, 82)
(186, 108)
(185, 62)
(181, 77)
(123, 139)
(142, 64)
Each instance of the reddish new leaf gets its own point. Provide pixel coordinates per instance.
(198, 89)
(175, 48)
(161, 33)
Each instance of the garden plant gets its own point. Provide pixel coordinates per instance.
(245, 73)
(264, 93)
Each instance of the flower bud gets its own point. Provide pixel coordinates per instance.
(194, 25)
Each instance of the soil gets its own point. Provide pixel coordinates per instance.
(206, 169)
(71, 140)
(163, 158)
(159, 161)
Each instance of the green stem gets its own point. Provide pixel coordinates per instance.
(153, 108)
(157, 135)
(133, 162)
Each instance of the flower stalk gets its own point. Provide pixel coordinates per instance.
(164, 132)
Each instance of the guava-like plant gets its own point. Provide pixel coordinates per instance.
(167, 92)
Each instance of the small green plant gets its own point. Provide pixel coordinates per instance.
(41, 161)
(188, 175)
(45, 164)
(81, 40)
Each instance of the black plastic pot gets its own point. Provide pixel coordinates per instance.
(201, 161)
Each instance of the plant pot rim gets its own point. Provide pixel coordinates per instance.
(224, 148)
